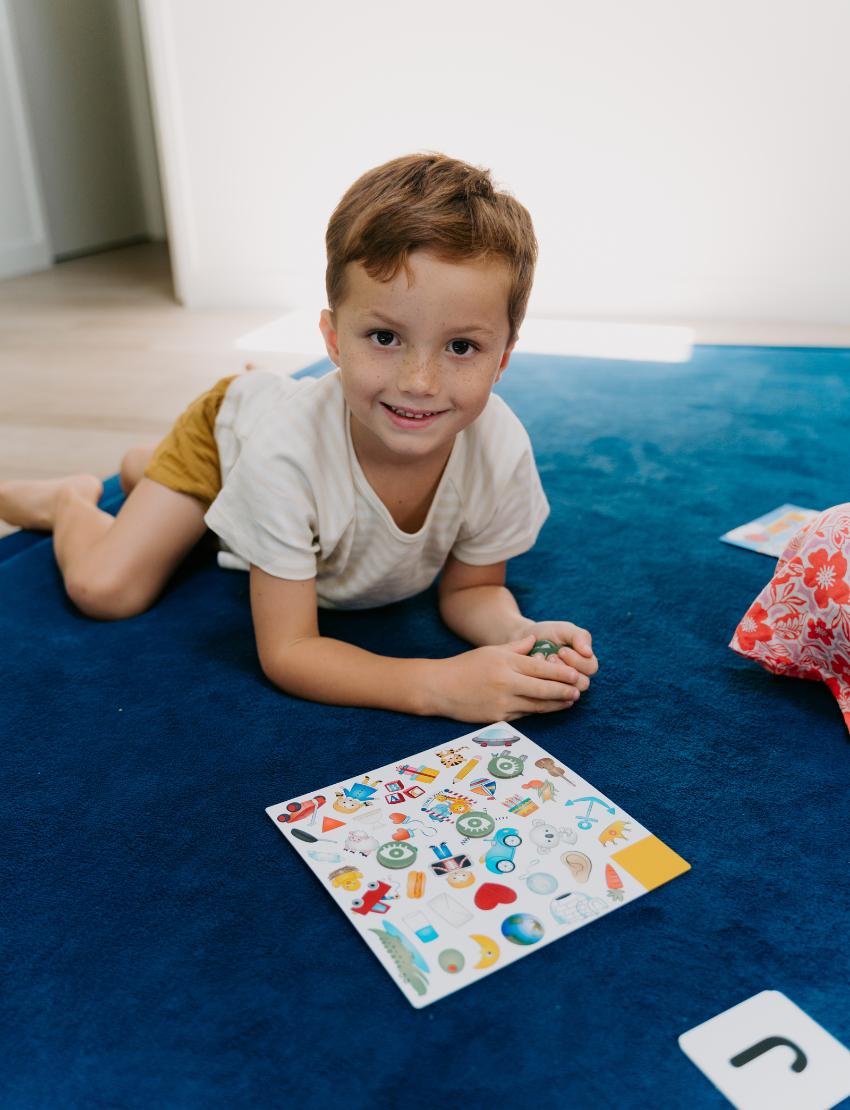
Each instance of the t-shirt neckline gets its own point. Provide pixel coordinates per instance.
(362, 483)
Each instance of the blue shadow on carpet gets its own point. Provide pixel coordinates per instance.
(164, 948)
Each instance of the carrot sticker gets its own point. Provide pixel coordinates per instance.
(615, 883)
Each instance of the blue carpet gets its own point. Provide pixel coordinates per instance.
(165, 949)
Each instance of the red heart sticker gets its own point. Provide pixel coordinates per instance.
(490, 895)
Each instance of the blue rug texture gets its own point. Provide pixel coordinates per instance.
(164, 949)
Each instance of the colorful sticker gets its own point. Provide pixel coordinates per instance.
(615, 883)
(546, 791)
(549, 764)
(587, 821)
(489, 950)
(613, 832)
(373, 900)
(490, 895)
(407, 960)
(547, 837)
(522, 928)
(522, 807)
(360, 794)
(578, 864)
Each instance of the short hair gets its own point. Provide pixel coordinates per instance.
(433, 203)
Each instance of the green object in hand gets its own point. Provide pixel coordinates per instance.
(544, 648)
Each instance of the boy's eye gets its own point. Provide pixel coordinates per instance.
(383, 338)
(461, 346)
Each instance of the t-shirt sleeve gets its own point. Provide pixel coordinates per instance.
(515, 507)
(266, 513)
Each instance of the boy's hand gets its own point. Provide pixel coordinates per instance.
(501, 683)
(577, 651)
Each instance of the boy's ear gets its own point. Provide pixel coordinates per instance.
(506, 357)
(329, 334)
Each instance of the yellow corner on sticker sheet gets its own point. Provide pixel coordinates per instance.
(651, 862)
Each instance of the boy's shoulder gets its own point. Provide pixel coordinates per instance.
(280, 415)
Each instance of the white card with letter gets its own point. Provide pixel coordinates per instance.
(768, 1054)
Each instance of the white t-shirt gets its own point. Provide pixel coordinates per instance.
(295, 501)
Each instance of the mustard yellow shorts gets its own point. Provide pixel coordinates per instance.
(187, 459)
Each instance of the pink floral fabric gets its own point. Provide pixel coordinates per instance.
(799, 625)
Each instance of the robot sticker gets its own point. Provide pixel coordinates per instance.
(360, 794)
(547, 837)
(447, 863)
(373, 900)
(615, 830)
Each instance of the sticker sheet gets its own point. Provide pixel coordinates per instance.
(462, 859)
(769, 534)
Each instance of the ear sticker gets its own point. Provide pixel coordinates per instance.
(579, 864)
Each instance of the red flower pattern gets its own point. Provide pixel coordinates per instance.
(827, 577)
(819, 631)
(752, 628)
(791, 628)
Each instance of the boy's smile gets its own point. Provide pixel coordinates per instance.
(418, 358)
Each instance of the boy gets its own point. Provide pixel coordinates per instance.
(359, 488)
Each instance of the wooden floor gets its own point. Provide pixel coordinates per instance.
(96, 356)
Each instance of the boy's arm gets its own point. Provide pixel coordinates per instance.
(477, 606)
(490, 683)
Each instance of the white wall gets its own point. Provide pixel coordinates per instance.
(82, 69)
(680, 159)
(23, 238)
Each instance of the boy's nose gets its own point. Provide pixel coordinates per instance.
(419, 375)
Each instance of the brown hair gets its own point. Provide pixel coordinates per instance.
(434, 203)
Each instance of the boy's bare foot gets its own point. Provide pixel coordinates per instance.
(32, 503)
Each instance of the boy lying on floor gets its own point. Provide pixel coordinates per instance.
(359, 488)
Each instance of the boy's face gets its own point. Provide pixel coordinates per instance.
(418, 361)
